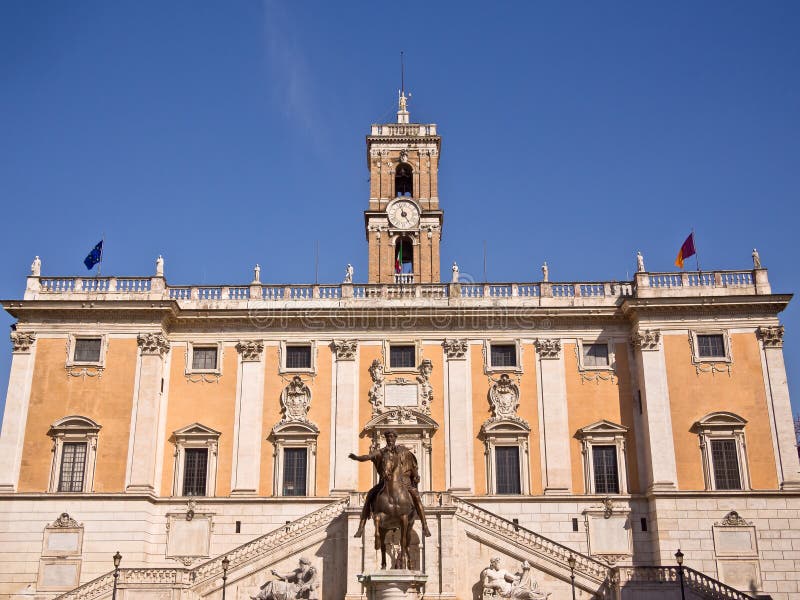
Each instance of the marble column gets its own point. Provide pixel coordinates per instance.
(147, 401)
(459, 468)
(554, 423)
(651, 372)
(780, 407)
(15, 417)
(344, 408)
(248, 417)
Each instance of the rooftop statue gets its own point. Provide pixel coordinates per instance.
(394, 502)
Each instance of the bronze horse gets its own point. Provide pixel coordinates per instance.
(393, 508)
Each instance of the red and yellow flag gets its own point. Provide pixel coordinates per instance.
(687, 250)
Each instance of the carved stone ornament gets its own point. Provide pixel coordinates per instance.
(153, 343)
(375, 393)
(733, 519)
(345, 349)
(548, 348)
(646, 339)
(64, 520)
(21, 341)
(504, 398)
(251, 350)
(296, 401)
(455, 349)
(771, 337)
(425, 387)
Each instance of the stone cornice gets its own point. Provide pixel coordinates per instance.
(701, 305)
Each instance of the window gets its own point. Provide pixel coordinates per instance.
(723, 451)
(402, 357)
(606, 477)
(507, 460)
(711, 346)
(87, 350)
(403, 180)
(195, 471)
(195, 466)
(595, 355)
(503, 355)
(204, 359)
(295, 471)
(73, 467)
(604, 465)
(74, 454)
(298, 357)
(726, 465)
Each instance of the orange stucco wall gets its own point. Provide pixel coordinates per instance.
(367, 355)
(273, 385)
(435, 353)
(320, 414)
(212, 404)
(106, 400)
(528, 410)
(693, 395)
(592, 401)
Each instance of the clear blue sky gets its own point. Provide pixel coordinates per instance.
(221, 134)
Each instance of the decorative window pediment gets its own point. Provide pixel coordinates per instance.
(195, 469)
(604, 463)
(719, 420)
(74, 454)
(724, 451)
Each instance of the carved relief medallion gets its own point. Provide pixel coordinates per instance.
(296, 401)
(504, 398)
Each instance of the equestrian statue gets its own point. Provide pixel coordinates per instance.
(394, 501)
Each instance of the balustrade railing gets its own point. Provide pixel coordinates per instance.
(404, 287)
(670, 574)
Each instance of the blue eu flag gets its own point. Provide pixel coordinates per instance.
(95, 256)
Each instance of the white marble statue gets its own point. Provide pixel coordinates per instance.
(257, 273)
(756, 260)
(300, 583)
(639, 263)
(545, 272)
(160, 266)
(455, 272)
(36, 267)
(518, 586)
(348, 274)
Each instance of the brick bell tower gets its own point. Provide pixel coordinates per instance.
(403, 223)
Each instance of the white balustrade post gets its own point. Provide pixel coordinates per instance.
(15, 417)
(248, 416)
(147, 410)
(344, 407)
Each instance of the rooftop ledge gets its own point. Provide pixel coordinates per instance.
(542, 293)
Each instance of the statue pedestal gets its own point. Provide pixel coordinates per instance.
(393, 584)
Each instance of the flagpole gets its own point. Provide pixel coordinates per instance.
(696, 253)
(484, 261)
(102, 251)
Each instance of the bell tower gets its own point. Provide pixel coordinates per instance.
(403, 222)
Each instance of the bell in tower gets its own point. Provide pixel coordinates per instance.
(403, 221)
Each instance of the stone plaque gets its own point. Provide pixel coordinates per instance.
(401, 395)
(740, 574)
(735, 541)
(189, 538)
(58, 574)
(609, 535)
(67, 542)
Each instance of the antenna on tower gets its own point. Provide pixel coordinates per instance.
(402, 74)
(402, 101)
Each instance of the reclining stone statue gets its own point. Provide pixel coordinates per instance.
(500, 583)
(300, 583)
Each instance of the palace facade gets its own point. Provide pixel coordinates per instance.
(589, 428)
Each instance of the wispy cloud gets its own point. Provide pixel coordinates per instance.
(290, 73)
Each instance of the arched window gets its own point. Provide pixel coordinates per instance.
(403, 180)
(723, 449)
(74, 453)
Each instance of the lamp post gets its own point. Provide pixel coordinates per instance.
(679, 560)
(117, 560)
(571, 561)
(225, 564)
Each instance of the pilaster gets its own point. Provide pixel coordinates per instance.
(782, 423)
(659, 452)
(554, 421)
(15, 417)
(147, 400)
(248, 419)
(344, 410)
(459, 468)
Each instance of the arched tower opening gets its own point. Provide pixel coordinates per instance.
(404, 180)
(404, 260)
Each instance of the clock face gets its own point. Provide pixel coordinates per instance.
(403, 214)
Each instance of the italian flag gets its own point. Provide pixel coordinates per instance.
(398, 262)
